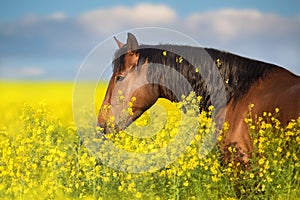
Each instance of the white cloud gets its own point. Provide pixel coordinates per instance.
(31, 71)
(105, 21)
(220, 26)
(57, 16)
(229, 24)
(23, 72)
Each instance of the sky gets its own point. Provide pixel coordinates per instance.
(50, 39)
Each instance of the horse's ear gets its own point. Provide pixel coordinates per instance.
(119, 43)
(132, 43)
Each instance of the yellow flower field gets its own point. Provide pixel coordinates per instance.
(44, 155)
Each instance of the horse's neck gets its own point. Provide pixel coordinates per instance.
(237, 74)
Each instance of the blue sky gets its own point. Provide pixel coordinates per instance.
(15, 9)
(49, 39)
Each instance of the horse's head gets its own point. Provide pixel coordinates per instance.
(129, 93)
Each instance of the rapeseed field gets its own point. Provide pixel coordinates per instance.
(45, 155)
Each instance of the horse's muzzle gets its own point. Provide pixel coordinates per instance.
(107, 130)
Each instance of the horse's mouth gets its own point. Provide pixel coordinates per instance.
(108, 129)
(116, 127)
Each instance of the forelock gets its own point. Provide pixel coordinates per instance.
(118, 61)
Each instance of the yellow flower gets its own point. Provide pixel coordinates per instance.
(279, 149)
(269, 179)
(218, 62)
(180, 59)
(138, 195)
(215, 178)
(199, 98)
(295, 158)
(261, 161)
(264, 114)
(219, 138)
(130, 111)
(130, 104)
(122, 98)
(213, 170)
(133, 99)
(186, 183)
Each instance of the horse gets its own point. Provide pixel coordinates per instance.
(247, 82)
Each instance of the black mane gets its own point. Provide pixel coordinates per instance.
(118, 60)
(238, 73)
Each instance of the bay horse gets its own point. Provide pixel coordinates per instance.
(248, 81)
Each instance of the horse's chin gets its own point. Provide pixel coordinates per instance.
(119, 126)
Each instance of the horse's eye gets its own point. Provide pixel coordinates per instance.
(120, 78)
